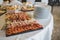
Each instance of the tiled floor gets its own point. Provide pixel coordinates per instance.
(56, 31)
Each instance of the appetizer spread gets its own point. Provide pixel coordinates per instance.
(27, 7)
(17, 16)
(21, 27)
(13, 7)
(20, 22)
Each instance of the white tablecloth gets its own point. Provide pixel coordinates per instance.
(45, 34)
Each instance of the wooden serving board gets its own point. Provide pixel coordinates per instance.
(24, 32)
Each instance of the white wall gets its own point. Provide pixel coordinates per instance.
(1, 1)
(45, 1)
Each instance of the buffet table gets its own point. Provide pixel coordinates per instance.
(42, 34)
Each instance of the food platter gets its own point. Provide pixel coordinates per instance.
(40, 22)
(44, 22)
